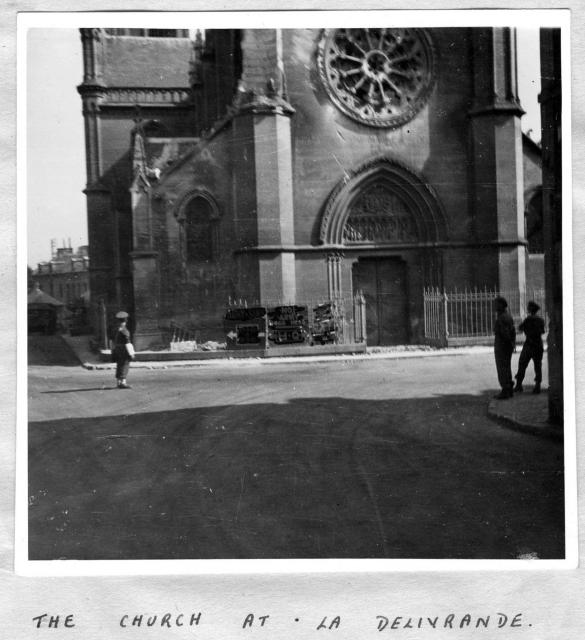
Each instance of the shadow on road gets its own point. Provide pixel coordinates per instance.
(313, 478)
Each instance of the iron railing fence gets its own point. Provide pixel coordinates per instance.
(180, 333)
(179, 337)
(339, 320)
(471, 313)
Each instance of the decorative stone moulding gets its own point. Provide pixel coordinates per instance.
(378, 77)
(251, 101)
(379, 215)
(146, 96)
(179, 205)
(384, 203)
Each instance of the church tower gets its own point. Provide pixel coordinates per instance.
(130, 77)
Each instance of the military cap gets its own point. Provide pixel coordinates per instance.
(122, 315)
(533, 307)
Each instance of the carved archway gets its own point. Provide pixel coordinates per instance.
(181, 203)
(198, 214)
(385, 204)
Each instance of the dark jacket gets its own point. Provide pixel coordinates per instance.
(505, 333)
(533, 328)
(121, 339)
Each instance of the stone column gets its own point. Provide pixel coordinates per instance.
(146, 279)
(496, 156)
(552, 172)
(91, 40)
(144, 256)
(334, 285)
(274, 205)
(262, 98)
(100, 221)
(100, 227)
(92, 95)
(196, 80)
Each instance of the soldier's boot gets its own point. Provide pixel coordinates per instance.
(536, 388)
(518, 388)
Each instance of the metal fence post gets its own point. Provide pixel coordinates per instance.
(445, 317)
(359, 312)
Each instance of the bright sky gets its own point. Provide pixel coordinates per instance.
(55, 143)
(529, 80)
(55, 138)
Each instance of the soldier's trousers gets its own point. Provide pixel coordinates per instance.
(122, 368)
(534, 353)
(504, 368)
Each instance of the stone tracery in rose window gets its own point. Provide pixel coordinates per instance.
(380, 77)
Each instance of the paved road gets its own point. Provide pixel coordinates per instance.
(362, 458)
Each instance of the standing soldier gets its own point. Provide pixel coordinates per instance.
(533, 328)
(122, 350)
(504, 345)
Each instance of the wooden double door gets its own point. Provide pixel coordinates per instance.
(383, 284)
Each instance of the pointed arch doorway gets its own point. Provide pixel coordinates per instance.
(387, 221)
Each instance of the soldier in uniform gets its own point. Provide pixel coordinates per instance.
(533, 328)
(122, 350)
(504, 345)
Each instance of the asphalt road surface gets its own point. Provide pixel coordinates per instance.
(345, 459)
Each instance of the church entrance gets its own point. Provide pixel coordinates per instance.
(383, 284)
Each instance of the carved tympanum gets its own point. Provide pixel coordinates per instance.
(378, 215)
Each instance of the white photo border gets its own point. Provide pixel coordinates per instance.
(524, 18)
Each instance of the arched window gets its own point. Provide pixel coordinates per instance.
(200, 232)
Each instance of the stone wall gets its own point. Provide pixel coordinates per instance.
(146, 62)
(270, 172)
(328, 144)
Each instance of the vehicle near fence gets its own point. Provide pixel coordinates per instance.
(245, 327)
(271, 325)
(288, 324)
(325, 328)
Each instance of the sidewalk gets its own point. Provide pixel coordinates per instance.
(526, 412)
(79, 345)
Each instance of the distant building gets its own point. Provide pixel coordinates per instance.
(65, 276)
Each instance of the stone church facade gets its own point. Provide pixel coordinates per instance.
(299, 165)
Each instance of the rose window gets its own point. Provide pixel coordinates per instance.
(380, 77)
